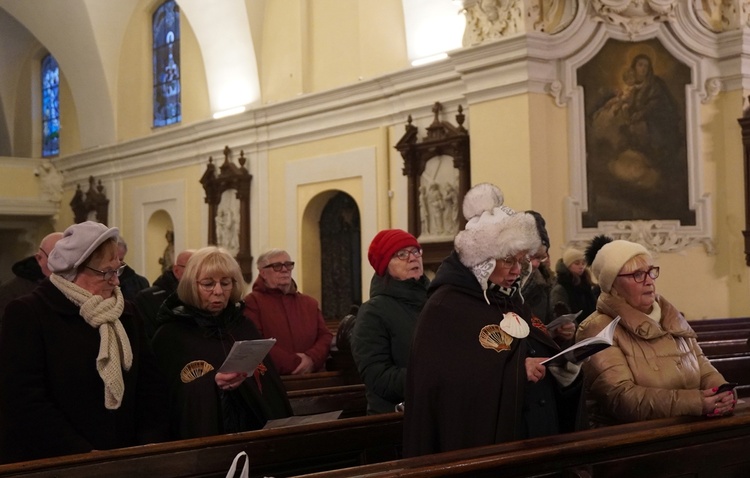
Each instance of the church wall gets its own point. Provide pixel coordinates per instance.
(135, 78)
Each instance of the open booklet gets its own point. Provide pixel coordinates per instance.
(563, 319)
(246, 355)
(586, 347)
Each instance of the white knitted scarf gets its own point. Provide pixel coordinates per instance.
(115, 353)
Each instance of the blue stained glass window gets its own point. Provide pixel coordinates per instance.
(166, 64)
(50, 107)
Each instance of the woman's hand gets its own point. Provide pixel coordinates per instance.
(718, 404)
(535, 371)
(229, 381)
(565, 331)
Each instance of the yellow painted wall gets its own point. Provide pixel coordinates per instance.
(17, 179)
(134, 105)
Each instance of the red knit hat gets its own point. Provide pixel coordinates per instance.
(386, 243)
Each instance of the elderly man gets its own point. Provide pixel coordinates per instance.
(130, 281)
(28, 272)
(294, 319)
(150, 299)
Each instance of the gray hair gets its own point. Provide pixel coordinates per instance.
(264, 259)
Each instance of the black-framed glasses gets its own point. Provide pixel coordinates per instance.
(510, 262)
(640, 276)
(108, 275)
(210, 285)
(44, 252)
(404, 254)
(277, 266)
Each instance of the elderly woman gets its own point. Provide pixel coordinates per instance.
(196, 328)
(655, 367)
(383, 331)
(76, 372)
(475, 375)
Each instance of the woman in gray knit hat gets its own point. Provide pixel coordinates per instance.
(475, 375)
(76, 372)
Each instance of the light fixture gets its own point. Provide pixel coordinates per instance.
(429, 59)
(229, 112)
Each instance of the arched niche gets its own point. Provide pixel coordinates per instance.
(158, 226)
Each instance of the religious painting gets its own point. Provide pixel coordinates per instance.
(636, 141)
(438, 200)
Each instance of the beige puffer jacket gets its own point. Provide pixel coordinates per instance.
(651, 371)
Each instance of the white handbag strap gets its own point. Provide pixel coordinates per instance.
(245, 468)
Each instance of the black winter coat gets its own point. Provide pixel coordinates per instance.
(199, 408)
(460, 394)
(51, 396)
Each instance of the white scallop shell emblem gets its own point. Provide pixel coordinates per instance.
(492, 337)
(514, 325)
(195, 369)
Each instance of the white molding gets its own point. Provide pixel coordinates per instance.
(358, 163)
(169, 196)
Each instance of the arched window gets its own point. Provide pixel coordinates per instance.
(166, 61)
(50, 107)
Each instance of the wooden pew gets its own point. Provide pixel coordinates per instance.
(682, 446)
(349, 398)
(313, 380)
(275, 452)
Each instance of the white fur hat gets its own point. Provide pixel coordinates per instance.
(493, 231)
(610, 259)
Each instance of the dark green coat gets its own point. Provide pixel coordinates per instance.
(382, 335)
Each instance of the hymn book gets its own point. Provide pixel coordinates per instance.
(246, 355)
(579, 351)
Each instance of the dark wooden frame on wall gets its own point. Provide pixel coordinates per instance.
(745, 125)
(230, 176)
(94, 200)
(443, 139)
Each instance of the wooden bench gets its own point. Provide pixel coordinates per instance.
(275, 452)
(681, 446)
(349, 398)
(314, 380)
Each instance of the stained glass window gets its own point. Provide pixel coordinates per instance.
(50, 107)
(166, 63)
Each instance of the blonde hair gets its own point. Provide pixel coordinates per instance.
(634, 263)
(208, 261)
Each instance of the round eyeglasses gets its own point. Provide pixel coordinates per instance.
(510, 262)
(108, 275)
(277, 266)
(404, 254)
(640, 276)
(210, 285)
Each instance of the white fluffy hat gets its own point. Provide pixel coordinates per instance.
(610, 259)
(493, 231)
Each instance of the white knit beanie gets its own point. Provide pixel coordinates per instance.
(571, 255)
(610, 259)
(493, 231)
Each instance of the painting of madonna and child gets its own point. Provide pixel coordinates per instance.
(636, 141)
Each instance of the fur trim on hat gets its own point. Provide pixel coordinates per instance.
(76, 245)
(385, 244)
(610, 259)
(493, 231)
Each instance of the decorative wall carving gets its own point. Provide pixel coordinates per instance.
(722, 15)
(92, 205)
(492, 19)
(50, 180)
(438, 176)
(228, 199)
(633, 15)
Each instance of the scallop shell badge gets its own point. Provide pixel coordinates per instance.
(514, 325)
(195, 369)
(494, 338)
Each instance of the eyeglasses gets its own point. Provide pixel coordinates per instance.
(45, 253)
(277, 266)
(403, 254)
(640, 276)
(510, 262)
(539, 258)
(210, 285)
(108, 275)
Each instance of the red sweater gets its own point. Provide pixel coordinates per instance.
(294, 320)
